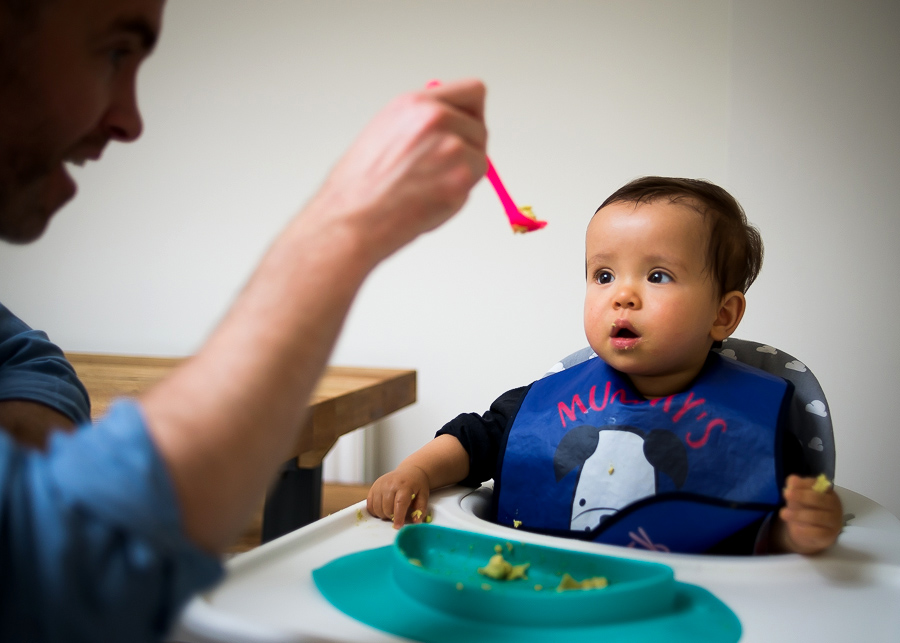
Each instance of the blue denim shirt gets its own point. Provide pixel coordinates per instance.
(92, 546)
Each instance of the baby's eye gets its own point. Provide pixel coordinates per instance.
(659, 277)
(604, 277)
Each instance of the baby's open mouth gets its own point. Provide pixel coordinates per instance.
(623, 336)
(622, 328)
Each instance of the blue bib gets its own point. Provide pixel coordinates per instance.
(587, 457)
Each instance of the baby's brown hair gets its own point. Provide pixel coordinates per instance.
(735, 247)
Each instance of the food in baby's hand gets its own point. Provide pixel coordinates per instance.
(822, 484)
(594, 582)
(417, 514)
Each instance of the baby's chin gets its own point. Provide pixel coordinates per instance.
(630, 360)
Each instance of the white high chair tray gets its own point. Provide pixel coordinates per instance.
(850, 593)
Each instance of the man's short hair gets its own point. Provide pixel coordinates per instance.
(735, 247)
(25, 11)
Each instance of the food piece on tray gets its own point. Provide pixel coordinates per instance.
(593, 582)
(499, 568)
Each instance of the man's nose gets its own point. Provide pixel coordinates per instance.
(123, 118)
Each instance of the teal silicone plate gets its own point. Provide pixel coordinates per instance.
(426, 587)
(445, 575)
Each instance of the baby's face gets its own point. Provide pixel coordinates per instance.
(650, 302)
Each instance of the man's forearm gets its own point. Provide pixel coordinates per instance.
(231, 414)
(227, 418)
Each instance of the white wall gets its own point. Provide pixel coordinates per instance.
(814, 156)
(248, 103)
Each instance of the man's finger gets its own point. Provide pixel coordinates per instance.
(466, 95)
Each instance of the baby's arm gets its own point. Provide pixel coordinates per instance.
(404, 491)
(810, 521)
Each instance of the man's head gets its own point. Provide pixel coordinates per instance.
(67, 87)
(663, 284)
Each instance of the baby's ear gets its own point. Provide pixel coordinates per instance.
(731, 311)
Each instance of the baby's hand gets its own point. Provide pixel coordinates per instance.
(812, 519)
(400, 494)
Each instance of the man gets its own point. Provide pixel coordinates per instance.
(106, 532)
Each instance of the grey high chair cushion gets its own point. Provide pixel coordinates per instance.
(809, 418)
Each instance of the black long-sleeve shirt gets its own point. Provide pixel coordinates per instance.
(481, 437)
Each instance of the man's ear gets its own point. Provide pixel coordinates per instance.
(731, 311)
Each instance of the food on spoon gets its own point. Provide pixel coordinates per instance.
(525, 211)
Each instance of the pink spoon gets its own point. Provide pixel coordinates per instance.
(521, 219)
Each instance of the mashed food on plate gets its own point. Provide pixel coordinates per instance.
(594, 582)
(499, 568)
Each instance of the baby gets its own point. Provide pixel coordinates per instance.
(659, 442)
